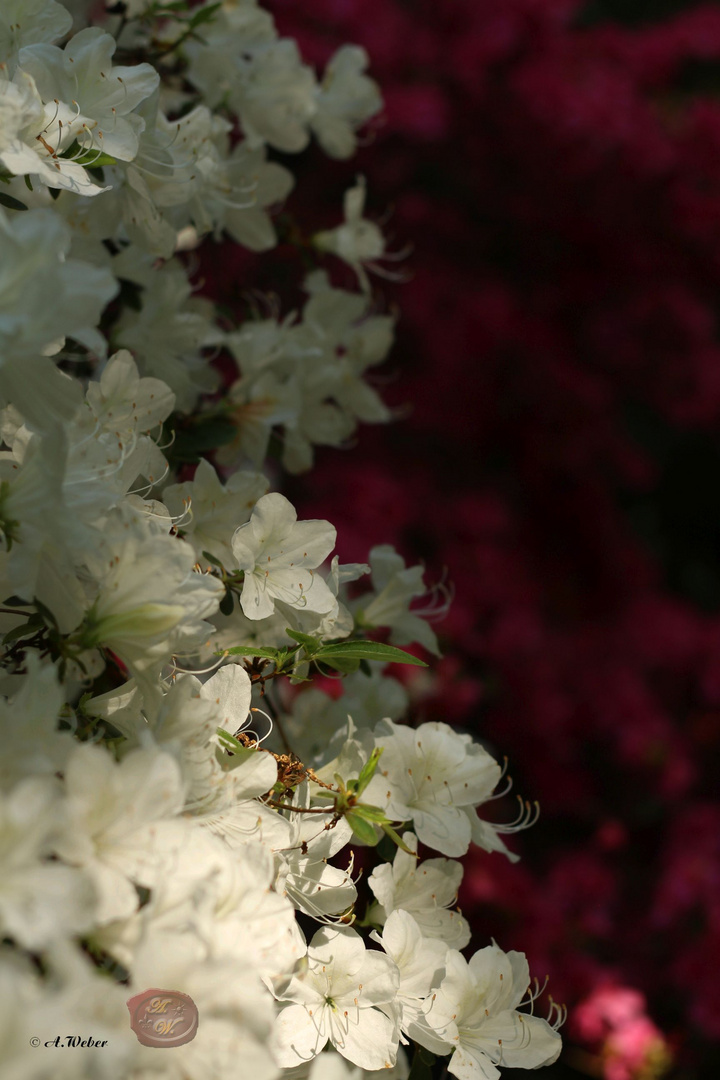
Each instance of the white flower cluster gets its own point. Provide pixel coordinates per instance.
(159, 827)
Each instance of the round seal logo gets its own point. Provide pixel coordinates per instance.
(163, 1017)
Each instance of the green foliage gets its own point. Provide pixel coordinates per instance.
(87, 158)
(252, 650)
(422, 1063)
(231, 744)
(368, 771)
(204, 15)
(365, 650)
(11, 202)
(201, 437)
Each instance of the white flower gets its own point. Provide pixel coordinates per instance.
(39, 900)
(73, 996)
(275, 97)
(25, 22)
(420, 962)
(358, 242)
(396, 586)
(24, 148)
(279, 554)
(474, 1010)
(44, 296)
(346, 98)
(219, 901)
(209, 511)
(123, 402)
(314, 886)
(95, 100)
(235, 1013)
(34, 746)
(168, 333)
(230, 189)
(149, 602)
(336, 1000)
(435, 777)
(229, 42)
(424, 889)
(119, 822)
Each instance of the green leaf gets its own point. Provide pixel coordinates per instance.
(87, 158)
(11, 203)
(212, 560)
(28, 182)
(362, 829)
(230, 743)
(34, 623)
(192, 442)
(371, 813)
(368, 770)
(422, 1063)
(312, 644)
(204, 15)
(94, 159)
(345, 665)
(251, 650)
(227, 604)
(397, 839)
(367, 650)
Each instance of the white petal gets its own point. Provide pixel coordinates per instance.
(297, 1036)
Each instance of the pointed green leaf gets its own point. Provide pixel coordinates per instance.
(204, 15)
(212, 559)
(344, 664)
(34, 623)
(362, 829)
(371, 813)
(231, 744)
(312, 644)
(422, 1064)
(368, 770)
(11, 203)
(95, 160)
(397, 839)
(367, 650)
(250, 650)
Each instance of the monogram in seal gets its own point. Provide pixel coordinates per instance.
(163, 1018)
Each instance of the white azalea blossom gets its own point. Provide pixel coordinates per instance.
(44, 296)
(148, 604)
(436, 777)
(209, 512)
(279, 556)
(96, 100)
(346, 98)
(198, 729)
(337, 999)
(306, 876)
(420, 962)
(425, 889)
(27, 22)
(475, 1010)
(358, 241)
(39, 899)
(24, 147)
(122, 826)
(396, 586)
